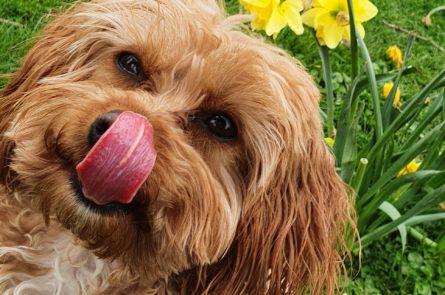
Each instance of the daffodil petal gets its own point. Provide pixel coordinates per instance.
(360, 28)
(310, 16)
(325, 19)
(332, 35)
(291, 11)
(332, 5)
(276, 23)
(319, 35)
(364, 10)
(296, 5)
(262, 14)
(295, 23)
(258, 24)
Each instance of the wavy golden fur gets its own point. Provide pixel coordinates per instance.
(264, 214)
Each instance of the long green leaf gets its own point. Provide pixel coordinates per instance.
(425, 218)
(393, 213)
(350, 151)
(344, 126)
(373, 87)
(433, 112)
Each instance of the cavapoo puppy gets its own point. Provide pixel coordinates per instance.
(151, 147)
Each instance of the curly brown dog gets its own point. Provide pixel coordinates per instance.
(151, 147)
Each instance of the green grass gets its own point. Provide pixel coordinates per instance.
(385, 269)
(28, 16)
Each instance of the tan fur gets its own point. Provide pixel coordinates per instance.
(266, 214)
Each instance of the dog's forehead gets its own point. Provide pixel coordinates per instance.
(167, 21)
(190, 40)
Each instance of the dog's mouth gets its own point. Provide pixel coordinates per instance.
(105, 209)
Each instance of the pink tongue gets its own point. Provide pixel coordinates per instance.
(121, 160)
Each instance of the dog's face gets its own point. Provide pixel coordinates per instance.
(243, 194)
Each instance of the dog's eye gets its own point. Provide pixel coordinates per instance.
(221, 126)
(128, 63)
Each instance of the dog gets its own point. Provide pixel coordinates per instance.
(155, 147)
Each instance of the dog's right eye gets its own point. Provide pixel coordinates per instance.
(129, 64)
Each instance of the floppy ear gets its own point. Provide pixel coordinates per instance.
(292, 233)
(43, 60)
(6, 145)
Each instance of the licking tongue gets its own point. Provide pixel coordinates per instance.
(120, 161)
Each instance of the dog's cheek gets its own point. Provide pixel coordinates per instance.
(195, 212)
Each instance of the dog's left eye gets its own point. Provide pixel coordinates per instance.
(129, 64)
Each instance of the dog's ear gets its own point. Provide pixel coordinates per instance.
(43, 60)
(54, 55)
(6, 144)
(292, 233)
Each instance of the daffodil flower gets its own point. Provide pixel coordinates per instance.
(273, 15)
(395, 54)
(330, 19)
(412, 167)
(387, 87)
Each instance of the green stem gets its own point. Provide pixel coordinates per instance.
(360, 173)
(327, 75)
(422, 238)
(354, 51)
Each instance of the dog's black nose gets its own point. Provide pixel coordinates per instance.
(100, 125)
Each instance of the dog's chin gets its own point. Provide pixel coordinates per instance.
(111, 208)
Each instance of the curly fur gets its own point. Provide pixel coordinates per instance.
(266, 214)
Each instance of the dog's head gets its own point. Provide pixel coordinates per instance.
(243, 196)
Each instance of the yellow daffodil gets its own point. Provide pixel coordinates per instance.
(387, 89)
(412, 167)
(273, 15)
(395, 54)
(330, 141)
(330, 19)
